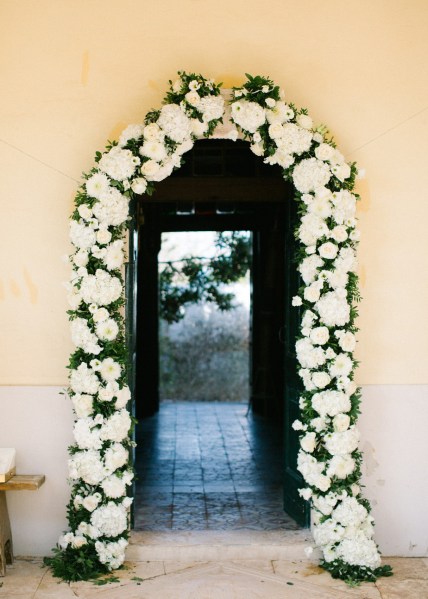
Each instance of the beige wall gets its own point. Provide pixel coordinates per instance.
(74, 72)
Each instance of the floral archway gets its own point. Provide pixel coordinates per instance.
(329, 459)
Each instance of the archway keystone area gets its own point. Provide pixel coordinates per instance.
(329, 459)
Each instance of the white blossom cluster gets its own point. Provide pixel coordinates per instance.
(99, 468)
(147, 153)
(327, 237)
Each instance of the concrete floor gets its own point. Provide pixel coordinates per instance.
(234, 579)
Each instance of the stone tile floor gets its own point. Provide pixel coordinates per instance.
(237, 579)
(210, 466)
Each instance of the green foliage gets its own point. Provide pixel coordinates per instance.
(354, 575)
(73, 565)
(196, 280)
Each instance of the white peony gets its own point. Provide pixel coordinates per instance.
(81, 258)
(155, 150)
(339, 233)
(150, 169)
(91, 502)
(341, 466)
(320, 206)
(308, 442)
(347, 340)
(324, 152)
(280, 113)
(116, 427)
(312, 292)
(139, 185)
(152, 132)
(85, 435)
(341, 422)
(321, 379)
(103, 236)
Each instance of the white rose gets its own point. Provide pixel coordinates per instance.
(103, 236)
(347, 341)
(312, 293)
(81, 258)
(341, 422)
(324, 152)
(320, 379)
(139, 185)
(122, 397)
(308, 442)
(91, 502)
(192, 98)
(296, 301)
(84, 211)
(339, 233)
(149, 169)
(320, 335)
(328, 250)
(83, 405)
(304, 121)
(270, 102)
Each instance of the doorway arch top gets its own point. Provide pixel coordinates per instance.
(329, 459)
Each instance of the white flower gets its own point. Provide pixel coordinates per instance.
(312, 228)
(115, 457)
(84, 380)
(344, 206)
(312, 471)
(270, 102)
(248, 115)
(305, 493)
(294, 139)
(131, 132)
(279, 113)
(192, 98)
(341, 422)
(101, 289)
(320, 206)
(123, 396)
(328, 250)
(304, 121)
(308, 442)
(116, 427)
(350, 512)
(139, 185)
(312, 292)
(155, 150)
(321, 379)
(85, 211)
(342, 443)
(112, 208)
(359, 552)
(114, 486)
(103, 236)
(88, 466)
(175, 124)
(110, 519)
(85, 435)
(319, 424)
(309, 356)
(83, 405)
(107, 330)
(100, 314)
(113, 258)
(194, 85)
(346, 260)
(325, 503)
(341, 171)
(152, 132)
(342, 366)
(97, 185)
(83, 337)
(119, 164)
(333, 309)
(320, 335)
(258, 149)
(310, 174)
(309, 268)
(81, 236)
(81, 258)
(212, 108)
(328, 533)
(339, 233)
(149, 169)
(110, 370)
(296, 301)
(198, 128)
(347, 341)
(90, 502)
(111, 554)
(330, 403)
(341, 466)
(324, 152)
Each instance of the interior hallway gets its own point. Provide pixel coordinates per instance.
(206, 466)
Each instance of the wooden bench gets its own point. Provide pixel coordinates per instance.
(20, 482)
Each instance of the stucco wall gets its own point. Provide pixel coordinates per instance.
(75, 72)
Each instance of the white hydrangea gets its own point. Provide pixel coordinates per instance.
(341, 466)
(83, 337)
(115, 457)
(309, 268)
(130, 132)
(123, 396)
(119, 164)
(280, 113)
(174, 123)
(85, 435)
(82, 236)
(328, 533)
(325, 503)
(83, 405)
(115, 486)
(333, 309)
(312, 471)
(114, 256)
(248, 115)
(359, 551)
(211, 107)
(87, 465)
(116, 427)
(350, 512)
(342, 443)
(111, 554)
(112, 208)
(345, 204)
(309, 356)
(294, 139)
(101, 289)
(309, 174)
(312, 227)
(84, 380)
(331, 402)
(110, 519)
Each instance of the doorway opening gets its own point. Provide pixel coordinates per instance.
(213, 465)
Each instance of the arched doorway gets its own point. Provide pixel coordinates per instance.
(224, 187)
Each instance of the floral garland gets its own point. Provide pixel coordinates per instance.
(99, 467)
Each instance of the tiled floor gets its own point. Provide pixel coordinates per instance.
(209, 466)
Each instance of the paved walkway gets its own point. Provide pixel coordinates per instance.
(238, 579)
(210, 466)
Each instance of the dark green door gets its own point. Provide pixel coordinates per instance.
(294, 505)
